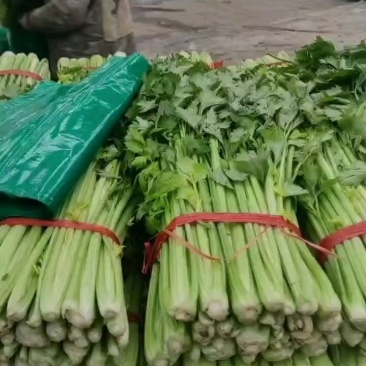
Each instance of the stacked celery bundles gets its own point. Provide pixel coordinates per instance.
(62, 289)
(205, 140)
(297, 360)
(338, 356)
(338, 167)
(13, 85)
(73, 70)
(334, 169)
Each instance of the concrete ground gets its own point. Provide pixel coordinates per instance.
(237, 29)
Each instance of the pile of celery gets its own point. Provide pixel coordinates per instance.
(205, 140)
(13, 85)
(333, 173)
(62, 297)
(63, 300)
(337, 356)
(335, 176)
(297, 360)
(328, 88)
(73, 70)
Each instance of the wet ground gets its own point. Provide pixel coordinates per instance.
(237, 29)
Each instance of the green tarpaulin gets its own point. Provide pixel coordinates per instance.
(50, 136)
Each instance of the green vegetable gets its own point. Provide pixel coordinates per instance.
(297, 360)
(60, 285)
(13, 85)
(332, 135)
(73, 70)
(222, 141)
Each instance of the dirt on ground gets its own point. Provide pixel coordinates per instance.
(234, 30)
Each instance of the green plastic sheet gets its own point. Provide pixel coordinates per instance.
(49, 136)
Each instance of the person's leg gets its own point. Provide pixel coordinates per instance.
(126, 44)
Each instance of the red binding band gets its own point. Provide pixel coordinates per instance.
(27, 74)
(339, 237)
(63, 224)
(289, 229)
(217, 64)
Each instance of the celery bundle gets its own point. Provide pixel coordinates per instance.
(204, 140)
(62, 290)
(73, 70)
(331, 167)
(14, 85)
(338, 167)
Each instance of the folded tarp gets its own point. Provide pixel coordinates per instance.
(49, 136)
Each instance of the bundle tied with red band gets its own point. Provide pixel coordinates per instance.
(217, 64)
(62, 279)
(206, 140)
(243, 329)
(152, 251)
(63, 224)
(347, 275)
(27, 74)
(339, 237)
(21, 72)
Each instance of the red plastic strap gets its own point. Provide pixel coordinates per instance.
(27, 74)
(65, 224)
(152, 251)
(339, 237)
(133, 318)
(217, 64)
